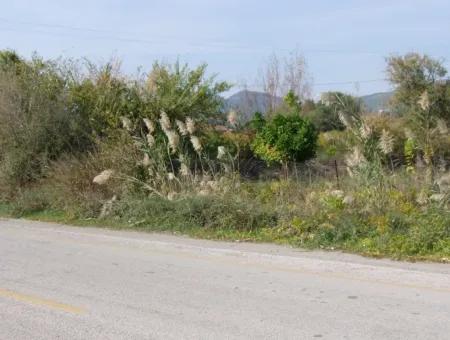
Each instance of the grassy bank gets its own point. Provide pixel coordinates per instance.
(282, 212)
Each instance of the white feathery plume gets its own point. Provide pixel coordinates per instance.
(190, 125)
(103, 177)
(422, 197)
(182, 127)
(126, 123)
(174, 139)
(442, 126)
(365, 131)
(196, 144)
(409, 134)
(184, 170)
(444, 183)
(221, 152)
(164, 121)
(355, 159)
(344, 119)
(232, 117)
(386, 142)
(146, 161)
(150, 140)
(424, 101)
(149, 124)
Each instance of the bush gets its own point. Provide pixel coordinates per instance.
(69, 181)
(325, 118)
(37, 126)
(286, 138)
(52, 108)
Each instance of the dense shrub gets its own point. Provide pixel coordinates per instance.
(51, 108)
(286, 138)
(36, 126)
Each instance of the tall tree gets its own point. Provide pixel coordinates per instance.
(424, 94)
(412, 75)
(279, 78)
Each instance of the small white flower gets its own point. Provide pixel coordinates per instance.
(103, 177)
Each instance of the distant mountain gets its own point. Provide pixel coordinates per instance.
(377, 101)
(248, 102)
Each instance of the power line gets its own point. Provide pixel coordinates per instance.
(155, 42)
(348, 82)
(136, 39)
(113, 35)
(75, 28)
(351, 82)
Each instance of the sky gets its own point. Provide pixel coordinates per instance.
(344, 42)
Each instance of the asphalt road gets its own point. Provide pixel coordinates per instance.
(59, 282)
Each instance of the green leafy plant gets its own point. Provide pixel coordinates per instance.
(284, 139)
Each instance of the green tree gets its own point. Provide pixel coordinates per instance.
(284, 139)
(9, 60)
(293, 102)
(257, 122)
(325, 115)
(37, 126)
(424, 95)
(412, 75)
(181, 92)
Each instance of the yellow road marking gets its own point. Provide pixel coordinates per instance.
(40, 301)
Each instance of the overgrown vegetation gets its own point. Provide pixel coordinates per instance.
(87, 144)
